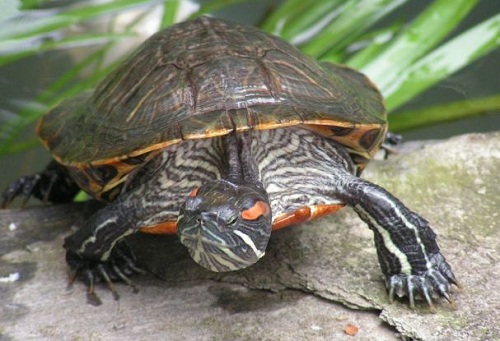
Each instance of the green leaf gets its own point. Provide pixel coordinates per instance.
(306, 19)
(14, 52)
(443, 113)
(277, 19)
(25, 27)
(442, 62)
(424, 33)
(354, 18)
(32, 4)
(214, 5)
(170, 10)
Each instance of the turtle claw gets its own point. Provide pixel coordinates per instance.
(437, 280)
(111, 286)
(118, 267)
(22, 187)
(93, 299)
(391, 142)
(52, 184)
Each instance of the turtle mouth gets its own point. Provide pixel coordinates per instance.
(189, 240)
(219, 255)
(205, 234)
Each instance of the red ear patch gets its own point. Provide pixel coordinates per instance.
(193, 193)
(260, 208)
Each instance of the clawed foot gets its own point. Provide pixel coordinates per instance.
(120, 265)
(437, 280)
(23, 187)
(391, 142)
(53, 184)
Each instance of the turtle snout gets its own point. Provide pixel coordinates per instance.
(204, 217)
(192, 204)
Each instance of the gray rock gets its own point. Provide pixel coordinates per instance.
(315, 279)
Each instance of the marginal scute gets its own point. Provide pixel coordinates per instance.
(110, 195)
(136, 160)
(79, 176)
(303, 214)
(102, 174)
(341, 131)
(369, 139)
(201, 79)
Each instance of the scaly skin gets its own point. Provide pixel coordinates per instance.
(408, 253)
(258, 178)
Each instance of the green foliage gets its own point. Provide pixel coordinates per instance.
(403, 57)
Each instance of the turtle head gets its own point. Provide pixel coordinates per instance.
(225, 226)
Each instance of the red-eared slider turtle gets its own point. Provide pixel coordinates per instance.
(220, 133)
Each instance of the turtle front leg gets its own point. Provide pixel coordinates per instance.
(406, 245)
(98, 252)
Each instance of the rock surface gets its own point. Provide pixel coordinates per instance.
(315, 280)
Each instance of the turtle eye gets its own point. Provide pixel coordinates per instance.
(232, 220)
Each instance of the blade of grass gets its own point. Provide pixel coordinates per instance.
(66, 43)
(170, 11)
(425, 32)
(213, 5)
(354, 19)
(374, 43)
(32, 4)
(369, 44)
(443, 113)
(310, 20)
(27, 27)
(21, 146)
(276, 20)
(444, 61)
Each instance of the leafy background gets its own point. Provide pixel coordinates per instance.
(50, 50)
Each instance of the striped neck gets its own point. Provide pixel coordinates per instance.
(226, 224)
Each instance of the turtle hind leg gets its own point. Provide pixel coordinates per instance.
(52, 184)
(390, 143)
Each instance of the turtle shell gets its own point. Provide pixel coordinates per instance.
(201, 79)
